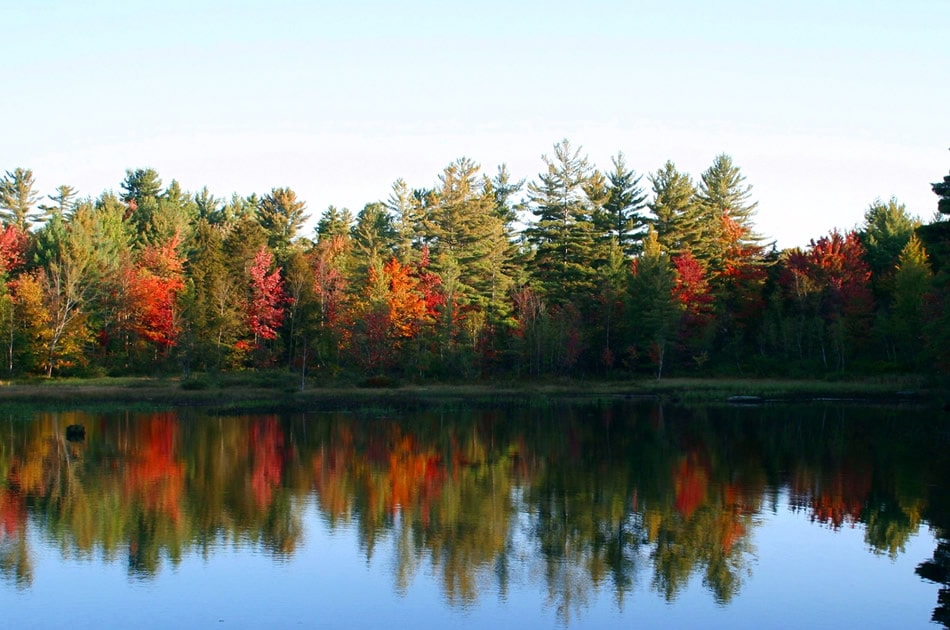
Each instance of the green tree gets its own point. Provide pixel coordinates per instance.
(18, 198)
(620, 216)
(141, 184)
(66, 278)
(726, 211)
(562, 234)
(677, 217)
(63, 202)
(654, 314)
(207, 206)
(502, 188)
(887, 229)
(912, 281)
(282, 215)
(374, 236)
(210, 309)
(334, 222)
(407, 210)
(469, 251)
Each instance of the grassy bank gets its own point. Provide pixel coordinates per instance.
(283, 390)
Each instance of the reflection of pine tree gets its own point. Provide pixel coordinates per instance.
(938, 570)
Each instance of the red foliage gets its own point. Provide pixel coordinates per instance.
(153, 288)
(268, 300)
(429, 285)
(835, 267)
(407, 306)
(692, 292)
(13, 242)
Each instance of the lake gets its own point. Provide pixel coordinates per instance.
(587, 514)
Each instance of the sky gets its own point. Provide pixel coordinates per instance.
(824, 105)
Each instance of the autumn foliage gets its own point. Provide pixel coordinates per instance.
(267, 304)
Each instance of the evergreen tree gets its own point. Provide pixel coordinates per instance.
(334, 222)
(912, 280)
(407, 210)
(936, 238)
(726, 212)
(653, 311)
(374, 235)
(235, 210)
(942, 190)
(502, 188)
(174, 217)
(562, 234)
(469, 250)
(620, 216)
(281, 215)
(141, 184)
(887, 229)
(18, 198)
(677, 218)
(207, 206)
(211, 310)
(63, 202)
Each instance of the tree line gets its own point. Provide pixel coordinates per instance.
(580, 271)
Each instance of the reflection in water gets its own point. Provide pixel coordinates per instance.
(579, 498)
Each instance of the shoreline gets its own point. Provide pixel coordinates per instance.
(229, 391)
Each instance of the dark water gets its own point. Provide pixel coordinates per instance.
(589, 515)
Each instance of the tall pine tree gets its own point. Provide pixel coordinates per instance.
(562, 235)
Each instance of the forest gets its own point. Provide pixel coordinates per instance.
(581, 271)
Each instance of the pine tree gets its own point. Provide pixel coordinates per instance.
(942, 190)
(502, 189)
(333, 223)
(469, 252)
(406, 208)
(676, 214)
(211, 305)
(562, 236)
(374, 236)
(726, 212)
(207, 206)
(63, 202)
(887, 229)
(18, 198)
(912, 281)
(141, 184)
(620, 216)
(282, 215)
(654, 312)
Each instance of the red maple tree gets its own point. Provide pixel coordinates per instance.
(267, 305)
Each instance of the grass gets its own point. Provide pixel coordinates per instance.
(275, 390)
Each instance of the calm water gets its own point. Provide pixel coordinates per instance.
(587, 515)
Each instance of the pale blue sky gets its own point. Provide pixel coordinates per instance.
(825, 108)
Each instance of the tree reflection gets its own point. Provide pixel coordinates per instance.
(583, 499)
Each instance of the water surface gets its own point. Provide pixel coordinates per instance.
(578, 515)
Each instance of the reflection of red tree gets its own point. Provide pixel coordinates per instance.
(833, 498)
(267, 442)
(330, 471)
(842, 497)
(415, 477)
(154, 475)
(690, 481)
(395, 471)
(12, 509)
(735, 508)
